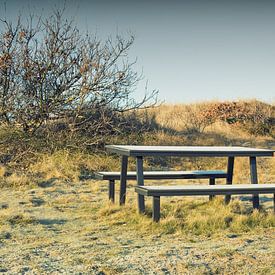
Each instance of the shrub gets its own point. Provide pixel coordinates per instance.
(255, 117)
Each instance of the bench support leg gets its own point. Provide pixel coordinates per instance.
(112, 190)
(156, 209)
(254, 180)
(140, 181)
(211, 182)
(230, 167)
(123, 175)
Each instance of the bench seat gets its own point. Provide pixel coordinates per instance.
(156, 175)
(159, 175)
(199, 190)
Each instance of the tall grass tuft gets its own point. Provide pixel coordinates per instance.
(191, 216)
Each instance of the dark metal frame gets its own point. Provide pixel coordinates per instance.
(229, 180)
(211, 182)
(112, 190)
(125, 151)
(254, 179)
(140, 182)
(123, 179)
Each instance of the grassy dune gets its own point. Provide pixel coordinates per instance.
(51, 221)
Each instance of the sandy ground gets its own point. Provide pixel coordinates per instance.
(55, 228)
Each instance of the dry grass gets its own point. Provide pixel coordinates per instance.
(64, 164)
(16, 179)
(72, 228)
(70, 163)
(180, 117)
(191, 216)
(196, 117)
(2, 171)
(51, 222)
(60, 157)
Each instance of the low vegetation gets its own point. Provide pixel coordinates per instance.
(54, 152)
(55, 218)
(65, 227)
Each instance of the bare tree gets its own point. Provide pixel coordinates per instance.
(50, 71)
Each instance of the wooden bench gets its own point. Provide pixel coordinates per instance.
(159, 175)
(200, 190)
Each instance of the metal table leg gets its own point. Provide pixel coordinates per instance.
(140, 181)
(229, 179)
(123, 175)
(112, 190)
(254, 180)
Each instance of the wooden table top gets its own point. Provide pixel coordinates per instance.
(189, 151)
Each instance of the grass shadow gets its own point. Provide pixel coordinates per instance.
(52, 221)
(47, 183)
(262, 199)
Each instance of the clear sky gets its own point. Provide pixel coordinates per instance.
(188, 50)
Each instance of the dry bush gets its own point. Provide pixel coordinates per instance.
(182, 117)
(253, 116)
(50, 70)
(54, 152)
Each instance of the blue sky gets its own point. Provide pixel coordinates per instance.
(188, 50)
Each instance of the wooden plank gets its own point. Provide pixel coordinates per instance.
(188, 151)
(229, 179)
(140, 182)
(112, 190)
(208, 187)
(193, 190)
(254, 180)
(122, 191)
(162, 175)
(156, 208)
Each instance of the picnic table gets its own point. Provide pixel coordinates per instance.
(230, 152)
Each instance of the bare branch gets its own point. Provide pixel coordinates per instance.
(49, 71)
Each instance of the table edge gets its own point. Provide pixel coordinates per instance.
(135, 153)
